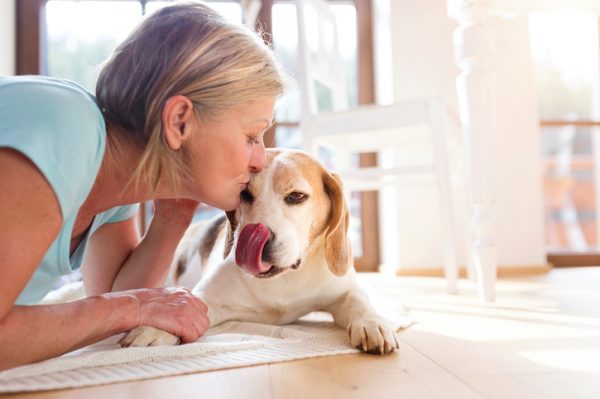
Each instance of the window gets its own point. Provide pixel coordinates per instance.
(76, 36)
(79, 36)
(565, 53)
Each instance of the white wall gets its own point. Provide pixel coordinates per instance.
(7, 37)
(423, 64)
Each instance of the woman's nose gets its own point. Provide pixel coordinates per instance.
(258, 158)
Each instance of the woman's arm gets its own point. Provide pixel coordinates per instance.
(117, 260)
(30, 219)
(34, 333)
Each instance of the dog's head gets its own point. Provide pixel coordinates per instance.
(293, 209)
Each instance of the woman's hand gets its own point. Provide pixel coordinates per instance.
(175, 310)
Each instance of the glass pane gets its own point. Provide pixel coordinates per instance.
(355, 228)
(347, 32)
(569, 188)
(288, 137)
(564, 50)
(565, 53)
(82, 34)
(285, 42)
(229, 9)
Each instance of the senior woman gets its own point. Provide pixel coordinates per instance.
(179, 115)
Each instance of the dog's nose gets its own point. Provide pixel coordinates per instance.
(296, 265)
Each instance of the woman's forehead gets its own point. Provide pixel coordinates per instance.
(259, 113)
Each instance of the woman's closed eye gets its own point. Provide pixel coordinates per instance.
(253, 140)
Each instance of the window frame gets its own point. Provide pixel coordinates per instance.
(30, 56)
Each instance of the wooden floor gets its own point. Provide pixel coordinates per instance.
(539, 339)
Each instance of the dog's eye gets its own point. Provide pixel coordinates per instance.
(247, 196)
(295, 198)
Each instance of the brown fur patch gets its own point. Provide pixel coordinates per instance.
(338, 252)
(210, 237)
(181, 268)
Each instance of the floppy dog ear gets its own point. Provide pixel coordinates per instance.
(231, 226)
(338, 252)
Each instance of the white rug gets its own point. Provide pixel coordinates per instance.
(232, 344)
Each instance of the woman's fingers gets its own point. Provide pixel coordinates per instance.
(200, 325)
(175, 310)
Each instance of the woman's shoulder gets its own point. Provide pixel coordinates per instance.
(45, 93)
(58, 126)
(44, 103)
(39, 82)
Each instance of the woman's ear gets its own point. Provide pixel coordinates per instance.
(177, 116)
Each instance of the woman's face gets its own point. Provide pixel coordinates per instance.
(226, 150)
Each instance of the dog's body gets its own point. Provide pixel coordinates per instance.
(291, 245)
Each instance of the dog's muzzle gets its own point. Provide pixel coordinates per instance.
(275, 270)
(253, 250)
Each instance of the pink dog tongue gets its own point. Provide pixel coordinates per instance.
(249, 248)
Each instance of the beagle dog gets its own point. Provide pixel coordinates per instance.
(292, 256)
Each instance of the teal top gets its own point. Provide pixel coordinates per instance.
(58, 126)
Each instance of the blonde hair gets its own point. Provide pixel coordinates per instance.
(184, 49)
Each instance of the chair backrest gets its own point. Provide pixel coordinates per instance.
(322, 78)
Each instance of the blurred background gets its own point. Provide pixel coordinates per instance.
(547, 143)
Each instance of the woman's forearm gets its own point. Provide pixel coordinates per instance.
(148, 265)
(33, 333)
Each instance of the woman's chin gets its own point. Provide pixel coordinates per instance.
(226, 205)
(233, 205)
(221, 200)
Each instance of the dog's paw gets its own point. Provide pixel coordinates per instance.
(373, 335)
(148, 336)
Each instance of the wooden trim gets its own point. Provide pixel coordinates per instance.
(502, 271)
(264, 23)
(557, 123)
(30, 31)
(577, 162)
(366, 95)
(366, 74)
(573, 259)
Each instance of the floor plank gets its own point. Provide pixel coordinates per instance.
(404, 374)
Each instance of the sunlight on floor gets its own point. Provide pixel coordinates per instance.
(576, 360)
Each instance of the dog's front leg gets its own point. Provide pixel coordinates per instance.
(367, 330)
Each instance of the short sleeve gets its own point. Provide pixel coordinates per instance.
(120, 213)
(58, 126)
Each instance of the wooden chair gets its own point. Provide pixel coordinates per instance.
(328, 122)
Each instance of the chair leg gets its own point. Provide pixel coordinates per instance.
(444, 194)
(484, 252)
